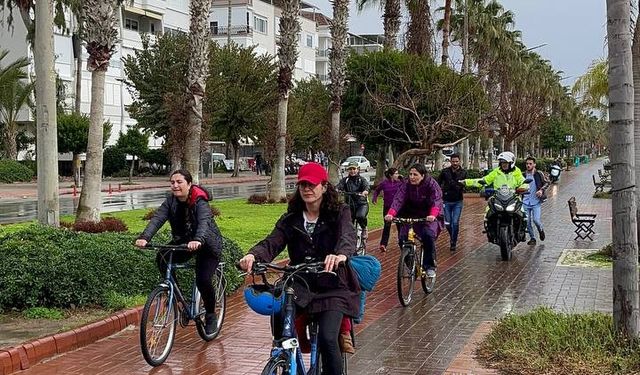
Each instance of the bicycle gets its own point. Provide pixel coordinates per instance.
(286, 355)
(361, 241)
(166, 305)
(408, 268)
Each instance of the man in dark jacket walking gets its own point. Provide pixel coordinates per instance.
(452, 195)
(358, 189)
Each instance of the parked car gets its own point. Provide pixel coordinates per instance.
(363, 163)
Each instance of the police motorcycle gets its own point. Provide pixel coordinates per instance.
(505, 220)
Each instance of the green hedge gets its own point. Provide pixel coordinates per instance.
(49, 267)
(13, 171)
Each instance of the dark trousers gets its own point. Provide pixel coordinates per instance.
(359, 213)
(328, 331)
(386, 230)
(428, 244)
(206, 264)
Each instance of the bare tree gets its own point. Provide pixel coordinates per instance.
(626, 316)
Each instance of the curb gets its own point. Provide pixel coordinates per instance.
(22, 357)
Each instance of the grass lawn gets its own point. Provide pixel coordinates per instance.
(240, 221)
(546, 342)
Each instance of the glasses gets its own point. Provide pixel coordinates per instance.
(302, 185)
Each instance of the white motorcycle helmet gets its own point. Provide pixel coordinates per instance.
(509, 157)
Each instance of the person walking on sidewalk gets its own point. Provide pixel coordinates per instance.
(388, 187)
(533, 201)
(420, 197)
(452, 195)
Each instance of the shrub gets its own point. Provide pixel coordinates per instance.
(49, 267)
(258, 199)
(12, 171)
(31, 164)
(43, 313)
(114, 160)
(108, 224)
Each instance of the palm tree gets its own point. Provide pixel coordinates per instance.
(196, 82)
(419, 30)
(100, 35)
(14, 95)
(337, 62)
(391, 19)
(287, 56)
(626, 299)
(592, 87)
(446, 27)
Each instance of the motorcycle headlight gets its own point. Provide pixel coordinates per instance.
(497, 206)
(511, 207)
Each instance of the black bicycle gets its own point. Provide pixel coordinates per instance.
(166, 306)
(410, 264)
(286, 356)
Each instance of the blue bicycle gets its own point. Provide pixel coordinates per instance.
(278, 302)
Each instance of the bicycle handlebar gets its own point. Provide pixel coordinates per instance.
(182, 247)
(403, 220)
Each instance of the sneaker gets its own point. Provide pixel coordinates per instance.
(532, 242)
(365, 233)
(383, 248)
(346, 344)
(541, 231)
(211, 323)
(452, 247)
(431, 273)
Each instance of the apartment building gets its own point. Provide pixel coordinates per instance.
(253, 22)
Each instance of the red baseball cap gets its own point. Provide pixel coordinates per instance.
(312, 173)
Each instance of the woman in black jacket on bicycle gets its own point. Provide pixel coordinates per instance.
(189, 214)
(317, 225)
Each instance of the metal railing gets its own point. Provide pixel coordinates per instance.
(233, 30)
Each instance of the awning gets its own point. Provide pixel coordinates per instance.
(142, 12)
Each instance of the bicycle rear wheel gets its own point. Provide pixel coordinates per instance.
(428, 283)
(406, 273)
(277, 366)
(158, 326)
(220, 285)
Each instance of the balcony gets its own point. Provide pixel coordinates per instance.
(323, 52)
(243, 30)
(159, 6)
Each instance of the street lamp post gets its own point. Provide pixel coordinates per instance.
(568, 138)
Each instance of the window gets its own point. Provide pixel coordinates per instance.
(130, 24)
(260, 24)
(213, 26)
(309, 40)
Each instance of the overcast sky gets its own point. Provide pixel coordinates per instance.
(573, 30)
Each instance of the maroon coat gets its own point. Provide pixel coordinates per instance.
(333, 234)
(419, 201)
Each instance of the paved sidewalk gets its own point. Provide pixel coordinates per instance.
(30, 190)
(474, 286)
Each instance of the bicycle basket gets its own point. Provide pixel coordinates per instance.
(263, 300)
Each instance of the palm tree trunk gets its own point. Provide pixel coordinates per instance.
(635, 55)
(236, 160)
(77, 46)
(337, 64)
(90, 198)
(419, 29)
(47, 127)
(196, 83)
(277, 187)
(626, 298)
(445, 31)
(76, 169)
(391, 21)
(10, 144)
(382, 157)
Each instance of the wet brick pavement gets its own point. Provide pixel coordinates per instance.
(474, 286)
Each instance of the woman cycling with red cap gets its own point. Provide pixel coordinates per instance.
(317, 225)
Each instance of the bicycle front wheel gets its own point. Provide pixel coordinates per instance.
(158, 326)
(277, 366)
(406, 274)
(220, 285)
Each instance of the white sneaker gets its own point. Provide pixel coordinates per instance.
(431, 273)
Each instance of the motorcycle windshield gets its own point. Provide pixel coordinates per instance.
(504, 193)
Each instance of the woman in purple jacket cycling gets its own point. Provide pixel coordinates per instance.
(420, 197)
(388, 187)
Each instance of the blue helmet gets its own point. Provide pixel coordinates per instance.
(262, 299)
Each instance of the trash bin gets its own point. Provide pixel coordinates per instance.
(576, 161)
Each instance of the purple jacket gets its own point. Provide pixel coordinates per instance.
(417, 201)
(389, 188)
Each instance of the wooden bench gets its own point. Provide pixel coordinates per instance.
(599, 185)
(584, 222)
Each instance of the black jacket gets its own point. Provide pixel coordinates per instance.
(354, 184)
(333, 234)
(196, 224)
(452, 190)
